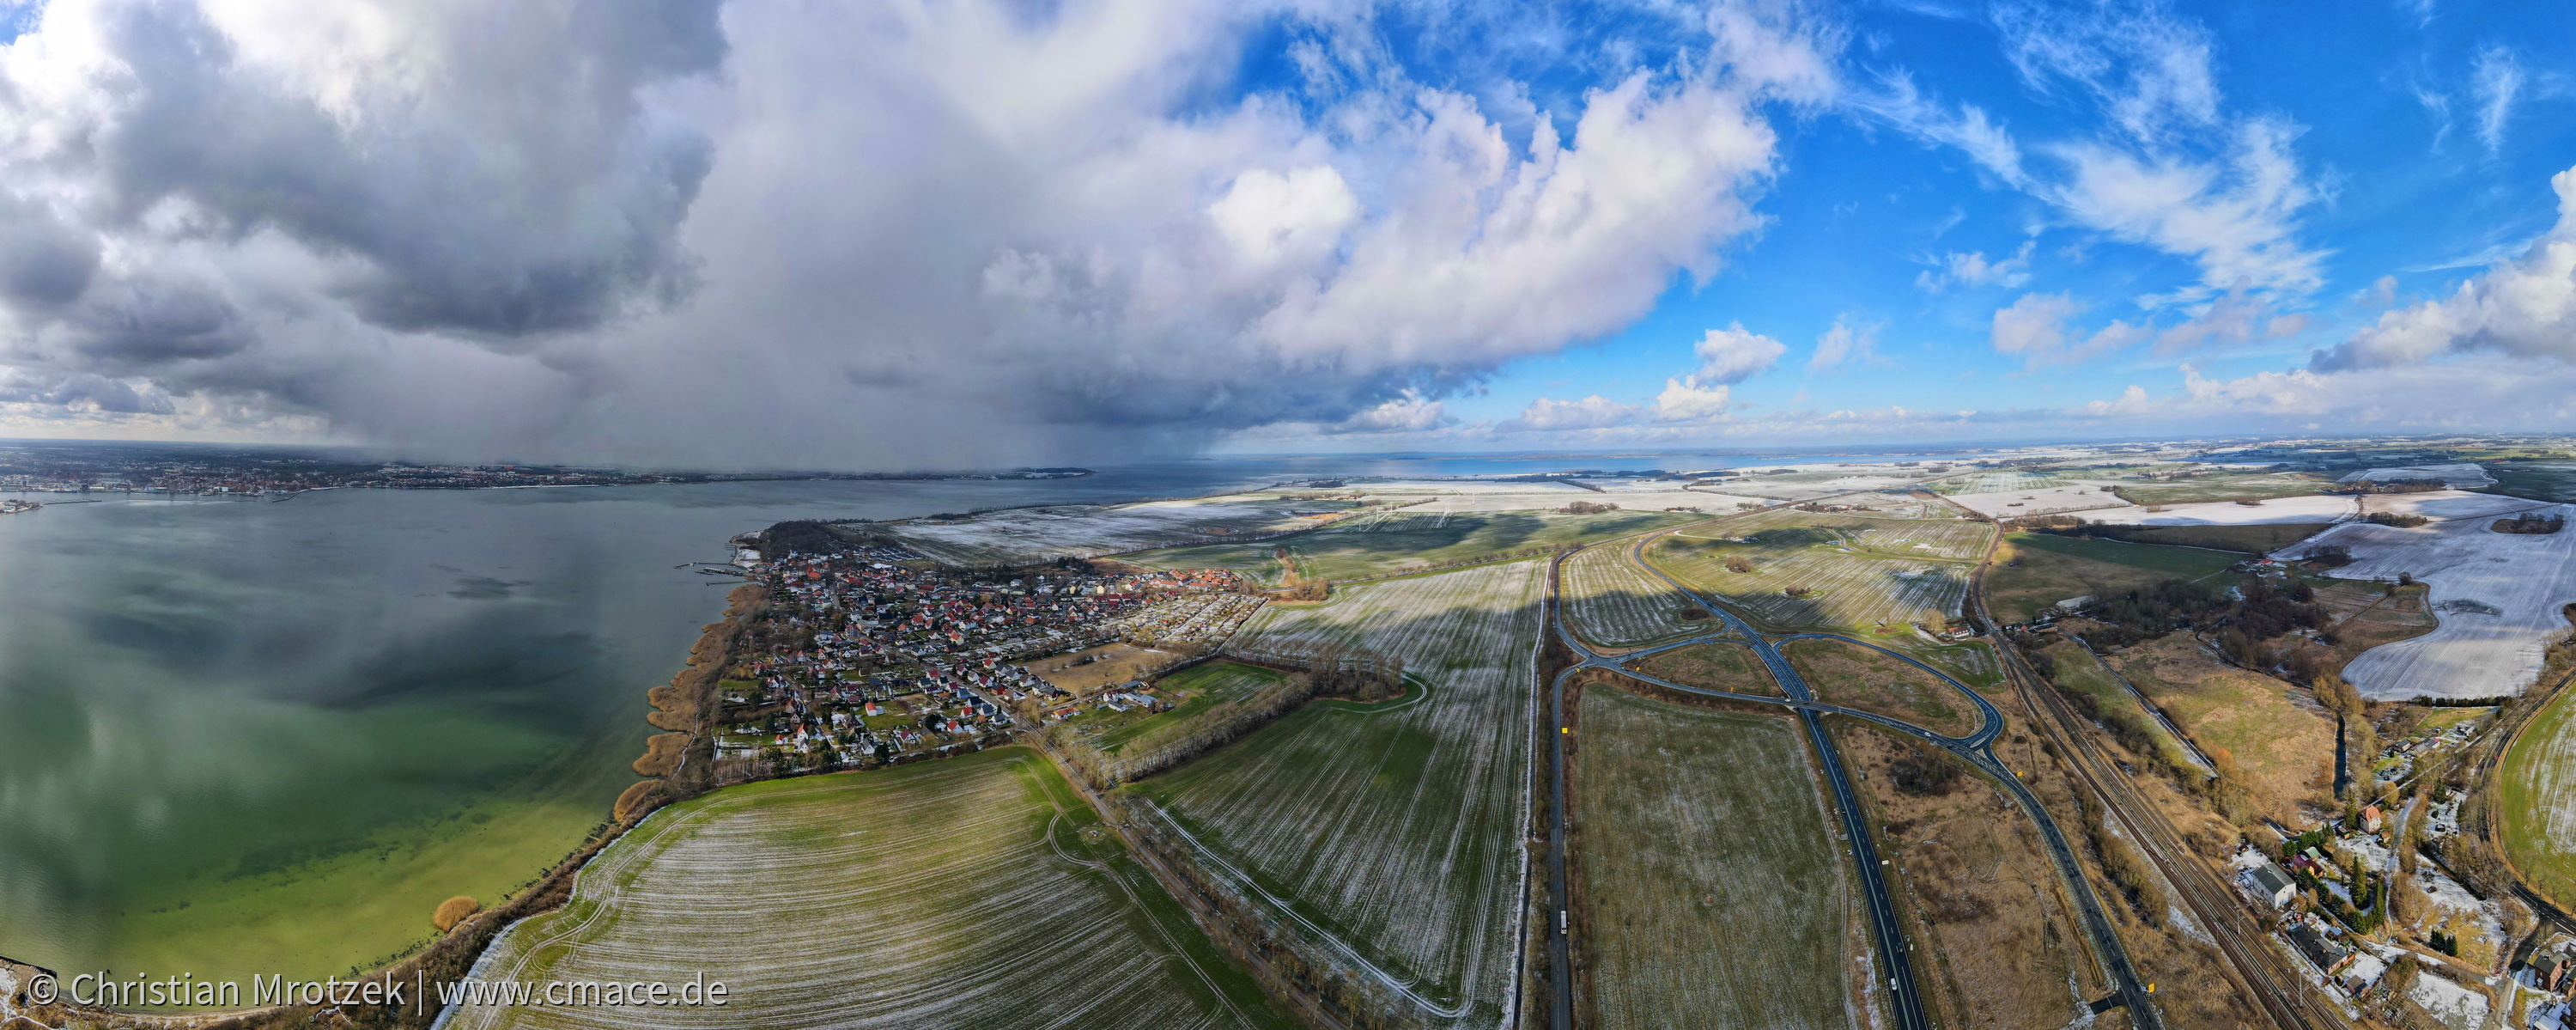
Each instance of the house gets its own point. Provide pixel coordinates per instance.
(2370, 818)
(2328, 955)
(2269, 881)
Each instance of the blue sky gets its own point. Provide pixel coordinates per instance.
(2426, 135)
(996, 231)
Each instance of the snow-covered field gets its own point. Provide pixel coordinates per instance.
(1613, 603)
(2498, 596)
(1025, 535)
(2455, 1006)
(1542, 497)
(2313, 508)
(927, 896)
(2048, 500)
(1807, 484)
(1394, 828)
(2464, 473)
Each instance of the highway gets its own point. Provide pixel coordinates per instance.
(1896, 967)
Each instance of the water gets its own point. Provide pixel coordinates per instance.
(255, 737)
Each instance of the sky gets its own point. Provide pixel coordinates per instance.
(917, 233)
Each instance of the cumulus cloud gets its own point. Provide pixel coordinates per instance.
(1688, 400)
(1732, 355)
(921, 233)
(2524, 306)
(1973, 269)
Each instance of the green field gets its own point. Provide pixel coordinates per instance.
(1789, 569)
(2077, 670)
(1717, 665)
(2538, 803)
(1412, 538)
(1713, 893)
(1393, 827)
(2538, 480)
(2036, 570)
(2258, 539)
(2226, 486)
(978, 891)
(1853, 676)
(1193, 691)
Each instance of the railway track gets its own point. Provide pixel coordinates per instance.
(2254, 964)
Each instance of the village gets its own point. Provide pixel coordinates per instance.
(871, 654)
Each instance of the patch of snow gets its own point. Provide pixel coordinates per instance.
(2455, 1006)
(2082, 496)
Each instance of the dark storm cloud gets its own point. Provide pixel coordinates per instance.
(857, 234)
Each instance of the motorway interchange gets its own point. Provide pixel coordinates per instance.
(1894, 954)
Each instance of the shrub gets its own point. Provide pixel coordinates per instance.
(1739, 563)
(453, 911)
(2383, 518)
(1925, 775)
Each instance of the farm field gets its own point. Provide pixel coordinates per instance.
(2224, 486)
(1334, 806)
(2260, 538)
(1855, 571)
(2498, 596)
(2279, 736)
(2312, 508)
(2458, 474)
(1415, 538)
(1612, 603)
(2539, 800)
(1999, 946)
(1713, 893)
(1716, 665)
(1853, 676)
(978, 891)
(2034, 571)
(2083, 497)
(2540, 480)
(1808, 482)
(2016, 480)
(1021, 536)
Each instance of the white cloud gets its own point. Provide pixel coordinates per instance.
(2132, 401)
(1593, 412)
(1972, 269)
(2496, 76)
(1410, 413)
(2234, 317)
(2236, 217)
(951, 231)
(1686, 400)
(2525, 306)
(1295, 218)
(2169, 169)
(1732, 355)
(2150, 70)
(1844, 345)
(2034, 329)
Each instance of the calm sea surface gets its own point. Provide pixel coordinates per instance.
(249, 737)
